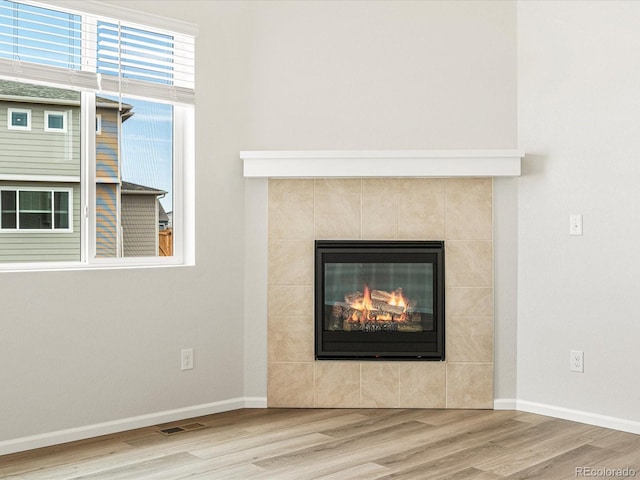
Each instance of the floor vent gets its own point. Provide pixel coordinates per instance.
(189, 427)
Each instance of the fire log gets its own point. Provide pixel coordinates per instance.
(354, 297)
(381, 296)
(385, 307)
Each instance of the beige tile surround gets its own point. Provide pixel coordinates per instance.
(456, 210)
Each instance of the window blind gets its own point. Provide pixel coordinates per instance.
(94, 52)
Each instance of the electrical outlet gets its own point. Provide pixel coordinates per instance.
(576, 359)
(187, 359)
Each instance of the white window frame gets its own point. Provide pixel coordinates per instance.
(181, 97)
(183, 189)
(63, 114)
(98, 124)
(53, 190)
(11, 126)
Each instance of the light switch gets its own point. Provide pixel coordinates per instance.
(575, 224)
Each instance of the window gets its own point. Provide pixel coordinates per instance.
(105, 176)
(18, 119)
(55, 121)
(35, 210)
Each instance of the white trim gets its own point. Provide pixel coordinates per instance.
(88, 156)
(84, 266)
(49, 113)
(39, 178)
(505, 404)
(98, 124)
(105, 9)
(580, 416)
(255, 402)
(184, 184)
(382, 163)
(11, 126)
(46, 75)
(124, 424)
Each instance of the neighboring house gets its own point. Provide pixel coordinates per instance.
(109, 121)
(39, 173)
(164, 221)
(40, 180)
(140, 218)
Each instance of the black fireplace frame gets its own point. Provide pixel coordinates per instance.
(343, 345)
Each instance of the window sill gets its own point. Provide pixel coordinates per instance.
(131, 263)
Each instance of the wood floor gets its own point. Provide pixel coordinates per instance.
(366, 444)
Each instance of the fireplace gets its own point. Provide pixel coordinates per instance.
(379, 300)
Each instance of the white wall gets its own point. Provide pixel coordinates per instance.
(505, 260)
(382, 75)
(71, 357)
(578, 122)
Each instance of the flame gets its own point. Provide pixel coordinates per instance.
(398, 299)
(366, 303)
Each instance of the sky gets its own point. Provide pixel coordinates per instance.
(147, 147)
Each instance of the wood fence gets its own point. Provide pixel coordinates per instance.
(165, 242)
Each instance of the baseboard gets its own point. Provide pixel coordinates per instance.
(589, 418)
(505, 404)
(89, 431)
(255, 402)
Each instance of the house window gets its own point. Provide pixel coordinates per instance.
(8, 207)
(35, 210)
(18, 119)
(118, 163)
(55, 122)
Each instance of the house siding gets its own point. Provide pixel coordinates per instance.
(140, 225)
(36, 152)
(106, 220)
(107, 146)
(42, 246)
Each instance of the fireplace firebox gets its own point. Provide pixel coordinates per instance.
(379, 300)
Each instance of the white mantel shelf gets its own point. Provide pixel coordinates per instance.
(381, 163)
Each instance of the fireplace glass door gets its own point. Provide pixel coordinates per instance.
(379, 300)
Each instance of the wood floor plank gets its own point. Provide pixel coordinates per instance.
(59, 456)
(255, 440)
(237, 472)
(370, 424)
(444, 466)
(473, 473)
(147, 452)
(323, 444)
(563, 466)
(155, 468)
(256, 454)
(439, 446)
(537, 444)
(363, 471)
(619, 441)
(336, 448)
(443, 417)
